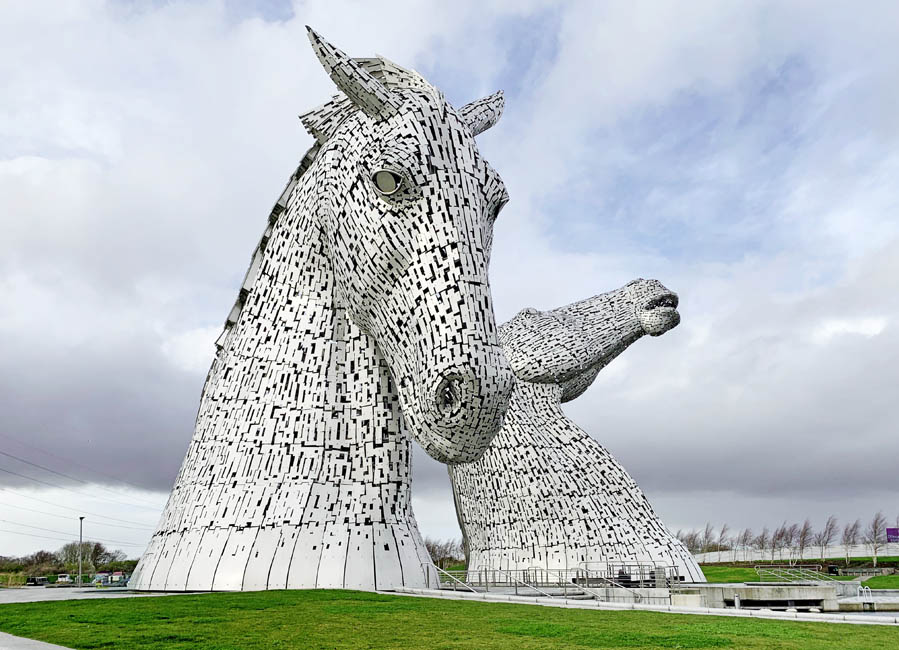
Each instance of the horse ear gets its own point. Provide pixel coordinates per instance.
(363, 89)
(480, 115)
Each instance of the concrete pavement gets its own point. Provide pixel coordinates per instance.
(10, 642)
(40, 594)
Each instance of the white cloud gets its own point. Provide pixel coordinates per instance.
(742, 153)
(192, 350)
(830, 328)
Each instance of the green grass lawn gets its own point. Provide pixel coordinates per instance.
(883, 582)
(725, 573)
(347, 619)
(882, 561)
(719, 573)
(722, 573)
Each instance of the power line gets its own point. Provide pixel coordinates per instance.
(78, 510)
(72, 517)
(53, 471)
(62, 532)
(58, 539)
(62, 487)
(46, 469)
(71, 461)
(36, 480)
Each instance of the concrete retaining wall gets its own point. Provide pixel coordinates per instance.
(810, 556)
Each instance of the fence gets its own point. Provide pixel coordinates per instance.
(791, 554)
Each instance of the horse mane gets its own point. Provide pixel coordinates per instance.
(322, 123)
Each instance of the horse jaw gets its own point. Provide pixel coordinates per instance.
(656, 307)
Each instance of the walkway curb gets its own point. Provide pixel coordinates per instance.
(10, 642)
(704, 611)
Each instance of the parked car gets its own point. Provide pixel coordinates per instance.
(36, 581)
(101, 579)
(63, 578)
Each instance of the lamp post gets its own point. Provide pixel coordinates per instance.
(80, 544)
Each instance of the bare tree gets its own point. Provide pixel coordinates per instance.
(804, 538)
(876, 534)
(694, 541)
(825, 536)
(722, 538)
(68, 555)
(707, 536)
(689, 539)
(850, 537)
(748, 543)
(792, 541)
(743, 542)
(760, 542)
(443, 552)
(776, 536)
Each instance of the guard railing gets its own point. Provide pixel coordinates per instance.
(794, 573)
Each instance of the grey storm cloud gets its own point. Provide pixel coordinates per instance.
(119, 407)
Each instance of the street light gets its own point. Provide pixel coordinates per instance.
(80, 544)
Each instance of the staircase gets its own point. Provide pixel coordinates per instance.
(788, 573)
(638, 584)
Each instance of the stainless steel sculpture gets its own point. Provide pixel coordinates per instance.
(546, 494)
(365, 315)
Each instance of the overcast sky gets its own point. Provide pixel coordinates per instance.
(744, 154)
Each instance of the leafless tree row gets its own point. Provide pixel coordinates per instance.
(445, 552)
(94, 557)
(793, 542)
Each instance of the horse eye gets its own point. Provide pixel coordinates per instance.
(386, 181)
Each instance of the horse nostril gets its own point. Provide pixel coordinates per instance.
(449, 395)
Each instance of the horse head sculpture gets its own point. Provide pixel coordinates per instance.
(364, 321)
(406, 207)
(588, 510)
(570, 345)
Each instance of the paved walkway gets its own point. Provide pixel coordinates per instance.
(10, 642)
(40, 594)
(867, 619)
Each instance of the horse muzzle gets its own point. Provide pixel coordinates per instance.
(462, 402)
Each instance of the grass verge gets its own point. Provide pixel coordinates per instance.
(883, 561)
(719, 573)
(724, 573)
(346, 619)
(883, 582)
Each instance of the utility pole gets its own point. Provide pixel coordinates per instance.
(80, 544)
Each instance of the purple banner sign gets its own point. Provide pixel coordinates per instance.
(892, 534)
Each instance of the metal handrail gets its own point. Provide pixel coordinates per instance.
(489, 576)
(793, 573)
(617, 585)
(637, 596)
(431, 565)
(535, 577)
(643, 569)
(529, 586)
(865, 592)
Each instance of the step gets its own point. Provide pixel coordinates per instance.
(571, 593)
